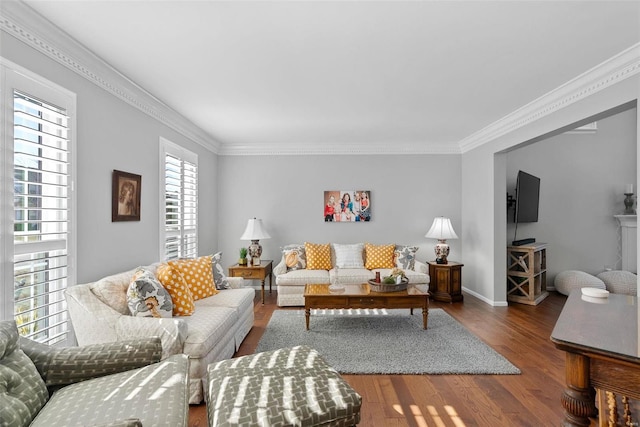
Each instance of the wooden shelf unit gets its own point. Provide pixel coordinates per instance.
(527, 273)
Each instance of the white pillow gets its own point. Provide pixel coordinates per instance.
(349, 256)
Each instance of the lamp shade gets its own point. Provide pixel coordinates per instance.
(255, 231)
(441, 229)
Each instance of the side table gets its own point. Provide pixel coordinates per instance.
(257, 272)
(445, 281)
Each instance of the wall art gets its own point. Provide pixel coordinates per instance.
(347, 206)
(125, 196)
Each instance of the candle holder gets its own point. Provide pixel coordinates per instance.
(628, 204)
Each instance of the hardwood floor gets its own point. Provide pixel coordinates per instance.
(518, 332)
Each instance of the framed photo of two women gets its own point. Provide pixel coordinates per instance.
(347, 206)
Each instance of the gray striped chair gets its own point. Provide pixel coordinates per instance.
(114, 384)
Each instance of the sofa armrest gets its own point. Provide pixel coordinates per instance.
(281, 268)
(171, 331)
(236, 282)
(421, 267)
(68, 365)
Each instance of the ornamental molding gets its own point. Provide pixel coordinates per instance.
(620, 67)
(20, 21)
(293, 149)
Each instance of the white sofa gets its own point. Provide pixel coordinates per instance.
(100, 314)
(290, 284)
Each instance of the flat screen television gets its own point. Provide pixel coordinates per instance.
(527, 198)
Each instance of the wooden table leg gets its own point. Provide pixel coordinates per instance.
(262, 282)
(307, 314)
(425, 316)
(578, 398)
(270, 282)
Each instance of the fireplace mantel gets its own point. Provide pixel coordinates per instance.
(629, 246)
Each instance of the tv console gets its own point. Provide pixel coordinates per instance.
(523, 241)
(527, 273)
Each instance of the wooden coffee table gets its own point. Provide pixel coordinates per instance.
(361, 296)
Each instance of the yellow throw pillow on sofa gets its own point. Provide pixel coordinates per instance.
(198, 274)
(175, 284)
(378, 256)
(318, 256)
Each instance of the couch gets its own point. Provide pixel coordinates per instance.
(113, 384)
(341, 264)
(100, 313)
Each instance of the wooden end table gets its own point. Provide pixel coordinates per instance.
(254, 272)
(361, 296)
(446, 281)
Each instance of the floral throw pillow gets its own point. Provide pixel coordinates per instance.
(146, 297)
(405, 257)
(219, 278)
(294, 257)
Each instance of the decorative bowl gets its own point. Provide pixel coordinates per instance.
(388, 287)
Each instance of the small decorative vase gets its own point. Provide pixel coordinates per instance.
(242, 261)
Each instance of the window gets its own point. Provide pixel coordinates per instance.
(38, 167)
(179, 210)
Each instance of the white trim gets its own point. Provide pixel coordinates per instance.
(589, 128)
(20, 21)
(169, 147)
(614, 70)
(330, 148)
(12, 77)
(485, 299)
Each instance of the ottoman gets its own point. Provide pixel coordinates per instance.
(287, 387)
(566, 281)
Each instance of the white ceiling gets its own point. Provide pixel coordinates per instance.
(347, 72)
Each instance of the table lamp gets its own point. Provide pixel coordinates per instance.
(442, 230)
(255, 231)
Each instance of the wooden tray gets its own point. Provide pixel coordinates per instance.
(384, 287)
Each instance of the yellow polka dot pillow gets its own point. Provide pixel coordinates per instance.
(378, 256)
(175, 284)
(198, 274)
(318, 256)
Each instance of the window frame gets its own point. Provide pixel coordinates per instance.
(168, 147)
(16, 78)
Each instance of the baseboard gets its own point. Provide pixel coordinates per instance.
(485, 299)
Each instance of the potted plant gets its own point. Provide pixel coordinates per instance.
(243, 256)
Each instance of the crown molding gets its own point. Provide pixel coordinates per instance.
(614, 70)
(22, 22)
(302, 149)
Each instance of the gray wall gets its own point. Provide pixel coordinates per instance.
(407, 192)
(582, 181)
(484, 176)
(113, 135)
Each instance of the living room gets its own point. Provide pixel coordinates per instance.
(118, 127)
(468, 201)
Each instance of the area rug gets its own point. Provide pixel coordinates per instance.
(386, 342)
